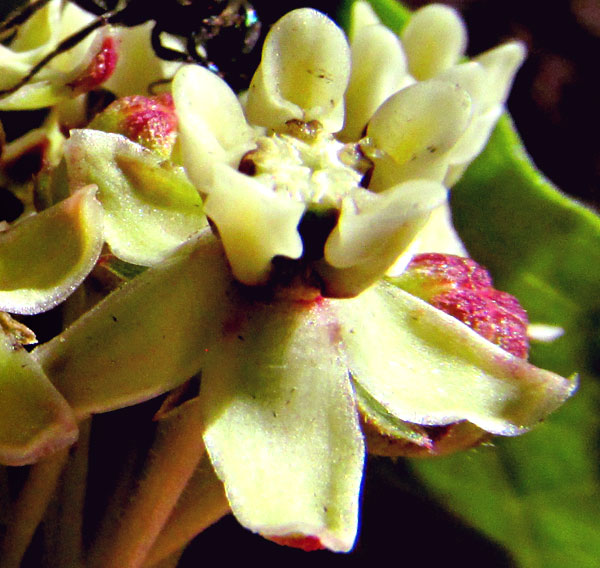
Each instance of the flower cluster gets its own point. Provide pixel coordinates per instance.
(92, 62)
(260, 236)
(368, 133)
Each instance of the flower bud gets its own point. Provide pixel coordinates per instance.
(463, 289)
(149, 121)
(460, 287)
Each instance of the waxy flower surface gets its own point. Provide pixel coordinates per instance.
(313, 188)
(92, 62)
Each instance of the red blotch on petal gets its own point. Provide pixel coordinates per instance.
(306, 543)
(100, 68)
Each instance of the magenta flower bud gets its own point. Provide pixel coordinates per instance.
(149, 121)
(462, 288)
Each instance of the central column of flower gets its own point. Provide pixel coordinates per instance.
(276, 181)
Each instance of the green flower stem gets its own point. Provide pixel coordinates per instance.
(202, 503)
(174, 457)
(30, 507)
(63, 526)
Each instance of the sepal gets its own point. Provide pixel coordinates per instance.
(150, 206)
(61, 245)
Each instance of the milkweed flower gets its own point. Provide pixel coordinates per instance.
(315, 222)
(283, 303)
(431, 45)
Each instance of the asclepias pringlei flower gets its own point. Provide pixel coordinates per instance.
(283, 303)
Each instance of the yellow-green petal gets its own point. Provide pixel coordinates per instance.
(150, 206)
(281, 425)
(145, 338)
(34, 419)
(428, 368)
(46, 256)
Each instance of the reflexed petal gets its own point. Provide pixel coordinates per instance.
(46, 256)
(416, 127)
(303, 73)
(35, 95)
(434, 39)
(211, 123)
(34, 419)
(501, 64)
(281, 427)
(150, 207)
(378, 71)
(254, 223)
(147, 337)
(366, 243)
(426, 367)
(139, 67)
